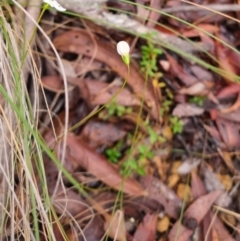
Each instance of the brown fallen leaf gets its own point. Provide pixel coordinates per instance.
(229, 91)
(53, 83)
(186, 110)
(81, 42)
(197, 185)
(158, 191)
(227, 158)
(99, 166)
(154, 15)
(198, 189)
(86, 65)
(147, 229)
(212, 130)
(212, 183)
(195, 31)
(198, 88)
(222, 232)
(93, 231)
(100, 92)
(177, 70)
(224, 55)
(101, 134)
(233, 116)
(192, 217)
(234, 107)
(69, 203)
(115, 227)
(229, 132)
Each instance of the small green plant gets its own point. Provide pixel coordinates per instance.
(149, 59)
(199, 100)
(176, 124)
(165, 108)
(113, 154)
(113, 108)
(154, 137)
(137, 164)
(131, 166)
(145, 152)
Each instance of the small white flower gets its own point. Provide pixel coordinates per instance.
(55, 4)
(123, 48)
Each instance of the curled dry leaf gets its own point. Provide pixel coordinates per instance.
(187, 110)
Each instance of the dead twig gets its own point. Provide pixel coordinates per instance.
(96, 13)
(214, 7)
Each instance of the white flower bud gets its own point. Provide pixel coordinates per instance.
(55, 4)
(123, 48)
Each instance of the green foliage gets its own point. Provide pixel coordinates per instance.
(114, 109)
(149, 59)
(154, 137)
(145, 152)
(199, 100)
(137, 164)
(131, 166)
(113, 154)
(165, 108)
(176, 124)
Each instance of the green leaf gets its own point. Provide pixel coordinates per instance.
(132, 163)
(141, 171)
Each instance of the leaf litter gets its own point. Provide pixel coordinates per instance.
(186, 144)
